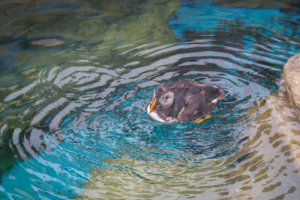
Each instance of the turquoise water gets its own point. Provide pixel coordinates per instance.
(76, 88)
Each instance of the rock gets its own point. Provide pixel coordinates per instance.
(291, 78)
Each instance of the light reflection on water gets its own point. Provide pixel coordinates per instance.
(80, 115)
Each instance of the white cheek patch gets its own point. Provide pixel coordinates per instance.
(214, 101)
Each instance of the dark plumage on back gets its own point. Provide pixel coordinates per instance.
(184, 100)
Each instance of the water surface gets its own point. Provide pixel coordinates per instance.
(76, 88)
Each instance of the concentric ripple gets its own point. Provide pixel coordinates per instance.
(84, 120)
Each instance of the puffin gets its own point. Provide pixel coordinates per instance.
(184, 101)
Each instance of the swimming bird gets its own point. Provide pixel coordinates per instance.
(184, 100)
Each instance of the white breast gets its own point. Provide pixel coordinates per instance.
(155, 116)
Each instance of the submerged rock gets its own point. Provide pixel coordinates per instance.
(291, 77)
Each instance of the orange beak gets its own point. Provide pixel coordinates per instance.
(153, 105)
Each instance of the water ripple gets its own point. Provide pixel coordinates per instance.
(84, 119)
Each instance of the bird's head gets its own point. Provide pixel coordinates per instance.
(162, 98)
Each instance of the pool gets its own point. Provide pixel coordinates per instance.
(77, 77)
